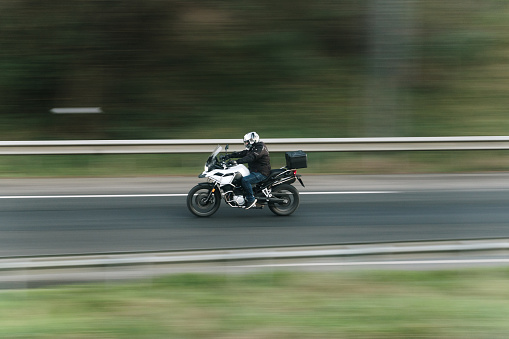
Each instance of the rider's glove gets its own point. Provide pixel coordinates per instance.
(224, 157)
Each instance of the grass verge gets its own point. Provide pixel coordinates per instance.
(125, 165)
(470, 303)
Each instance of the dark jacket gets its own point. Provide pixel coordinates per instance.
(257, 158)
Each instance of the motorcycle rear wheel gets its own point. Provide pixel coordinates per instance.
(197, 201)
(291, 196)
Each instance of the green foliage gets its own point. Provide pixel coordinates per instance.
(193, 69)
(130, 165)
(348, 304)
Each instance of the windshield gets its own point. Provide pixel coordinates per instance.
(216, 151)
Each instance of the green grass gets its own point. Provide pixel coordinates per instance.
(192, 164)
(385, 304)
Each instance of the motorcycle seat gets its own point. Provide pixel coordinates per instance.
(275, 172)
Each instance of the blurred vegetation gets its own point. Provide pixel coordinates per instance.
(287, 68)
(132, 165)
(469, 303)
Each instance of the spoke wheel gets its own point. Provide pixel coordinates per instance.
(199, 203)
(290, 195)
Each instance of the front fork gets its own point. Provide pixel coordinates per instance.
(211, 193)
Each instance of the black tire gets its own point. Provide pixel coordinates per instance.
(291, 196)
(196, 201)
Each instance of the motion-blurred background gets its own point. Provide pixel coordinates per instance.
(173, 69)
(214, 69)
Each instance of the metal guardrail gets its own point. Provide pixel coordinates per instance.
(276, 145)
(258, 255)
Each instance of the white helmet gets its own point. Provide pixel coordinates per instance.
(251, 138)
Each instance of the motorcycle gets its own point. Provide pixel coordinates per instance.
(224, 182)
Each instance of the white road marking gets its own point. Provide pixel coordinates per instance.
(90, 196)
(350, 192)
(160, 195)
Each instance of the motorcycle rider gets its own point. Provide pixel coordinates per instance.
(256, 155)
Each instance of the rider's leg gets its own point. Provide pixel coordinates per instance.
(247, 183)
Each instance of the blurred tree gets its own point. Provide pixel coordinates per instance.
(171, 68)
(389, 66)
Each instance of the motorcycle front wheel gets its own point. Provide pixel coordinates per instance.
(200, 201)
(291, 200)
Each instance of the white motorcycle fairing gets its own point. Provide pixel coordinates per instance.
(226, 176)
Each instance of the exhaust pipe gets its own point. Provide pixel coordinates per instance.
(272, 200)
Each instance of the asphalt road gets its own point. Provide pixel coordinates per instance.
(71, 216)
